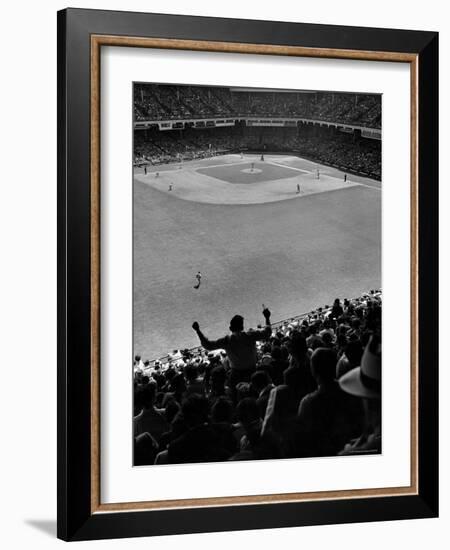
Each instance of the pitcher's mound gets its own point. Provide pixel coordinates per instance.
(251, 171)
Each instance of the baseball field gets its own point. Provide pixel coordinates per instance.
(282, 231)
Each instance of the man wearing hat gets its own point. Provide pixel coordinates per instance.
(365, 382)
(327, 417)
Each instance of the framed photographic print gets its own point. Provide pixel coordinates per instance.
(247, 254)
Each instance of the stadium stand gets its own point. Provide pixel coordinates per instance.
(158, 101)
(303, 396)
(348, 152)
(174, 123)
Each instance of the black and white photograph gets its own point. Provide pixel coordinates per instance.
(257, 301)
(225, 286)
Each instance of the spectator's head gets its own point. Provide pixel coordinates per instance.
(222, 410)
(276, 353)
(259, 380)
(159, 399)
(341, 341)
(247, 412)
(237, 323)
(195, 410)
(218, 377)
(298, 345)
(293, 378)
(323, 365)
(355, 323)
(316, 343)
(148, 395)
(178, 383)
(137, 358)
(171, 410)
(365, 337)
(327, 339)
(243, 390)
(353, 352)
(191, 372)
(284, 405)
(145, 449)
(284, 353)
(201, 368)
(266, 348)
(213, 359)
(170, 374)
(159, 379)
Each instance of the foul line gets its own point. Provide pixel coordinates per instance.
(365, 185)
(220, 165)
(289, 167)
(334, 177)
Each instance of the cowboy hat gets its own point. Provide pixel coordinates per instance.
(365, 381)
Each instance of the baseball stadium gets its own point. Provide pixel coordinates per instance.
(248, 200)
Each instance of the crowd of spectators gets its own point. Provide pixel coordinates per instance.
(306, 387)
(340, 149)
(323, 145)
(157, 102)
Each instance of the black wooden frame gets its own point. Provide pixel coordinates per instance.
(75, 520)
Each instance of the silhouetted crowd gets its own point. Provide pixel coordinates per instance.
(307, 387)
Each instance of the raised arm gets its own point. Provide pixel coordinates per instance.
(266, 332)
(208, 344)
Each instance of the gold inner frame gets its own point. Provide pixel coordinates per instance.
(97, 41)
